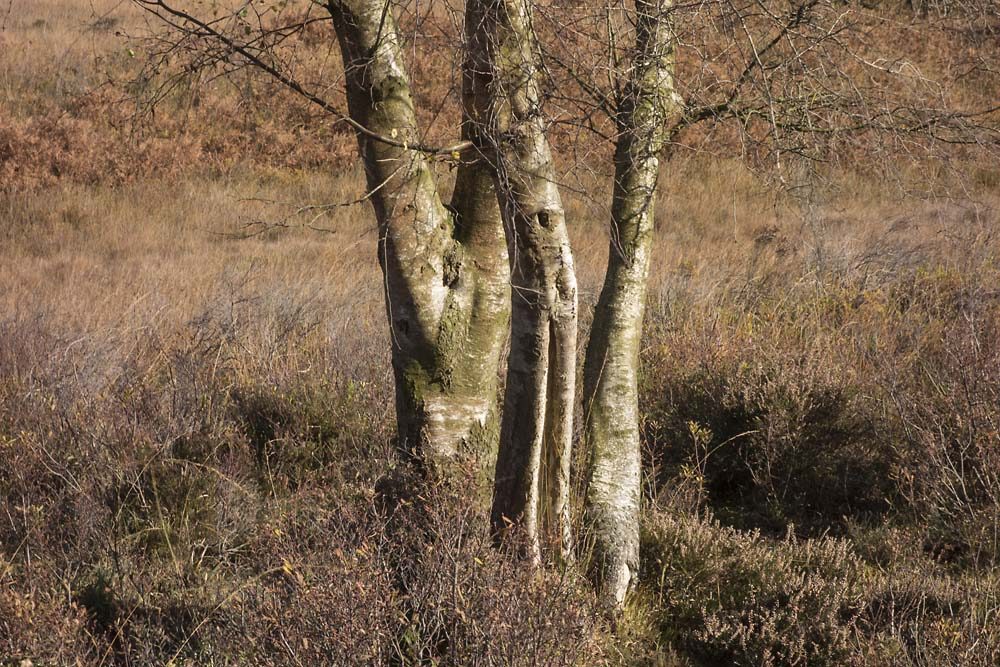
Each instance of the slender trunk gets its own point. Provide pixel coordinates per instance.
(445, 268)
(532, 477)
(611, 513)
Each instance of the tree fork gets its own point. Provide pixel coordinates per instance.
(532, 476)
(445, 267)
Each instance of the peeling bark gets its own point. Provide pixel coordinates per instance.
(611, 404)
(445, 267)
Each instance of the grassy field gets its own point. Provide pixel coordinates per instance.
(196, 401)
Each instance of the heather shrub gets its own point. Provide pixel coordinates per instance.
(922, 618)
(40, 624)
(945, 395)
(469, 604)
(735, 598)
(852, 398)
(197, 498)
(771, 433)
(297, 432)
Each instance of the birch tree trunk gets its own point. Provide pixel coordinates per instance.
(532, 474)
(445, 267)
(611, 404)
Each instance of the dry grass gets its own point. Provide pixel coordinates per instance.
(196, 410)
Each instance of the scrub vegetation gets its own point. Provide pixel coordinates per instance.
(198, 453)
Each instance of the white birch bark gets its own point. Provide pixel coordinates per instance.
(611, 512)
(532, 475)
(445, 268)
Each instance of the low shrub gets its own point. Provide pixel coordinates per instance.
(772, 434)
(733, 598)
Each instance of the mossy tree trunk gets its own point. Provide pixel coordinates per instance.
(611, 404)
(532, 476)
(445, 268)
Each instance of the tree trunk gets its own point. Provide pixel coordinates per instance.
(611, 404)
(532, 476)
(445, 268)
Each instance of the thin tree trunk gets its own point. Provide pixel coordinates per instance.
(445, 268)
(532, 477)
(611, 404)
